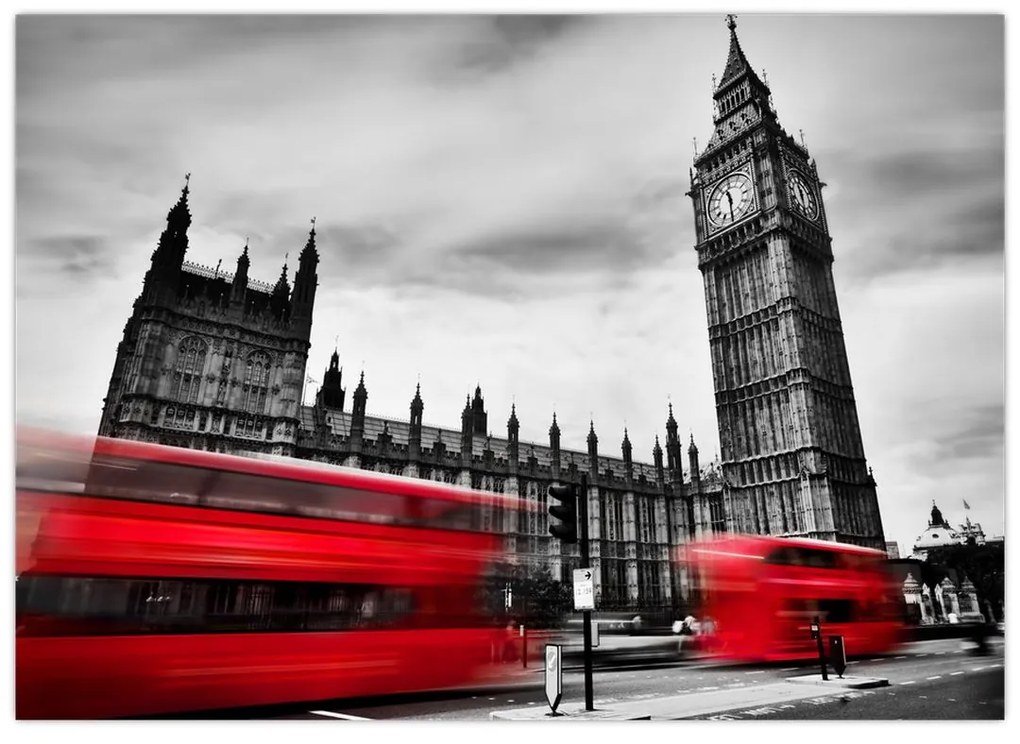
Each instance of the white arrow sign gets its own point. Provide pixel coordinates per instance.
(584, 589)
(553, 676)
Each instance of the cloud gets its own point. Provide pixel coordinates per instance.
(79, 256)
(502, 41)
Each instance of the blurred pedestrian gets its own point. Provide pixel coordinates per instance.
(510, 642)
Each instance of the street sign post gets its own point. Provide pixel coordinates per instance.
(584, 589)
(553, 677)
(582, 515)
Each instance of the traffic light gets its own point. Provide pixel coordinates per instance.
(566, 530)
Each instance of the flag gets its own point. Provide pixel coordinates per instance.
(308, 378)
(965, 504)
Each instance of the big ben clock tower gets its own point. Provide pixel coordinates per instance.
(792, 458)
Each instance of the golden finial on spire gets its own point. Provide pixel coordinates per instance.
(731, 21)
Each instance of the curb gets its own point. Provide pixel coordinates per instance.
(854, 683)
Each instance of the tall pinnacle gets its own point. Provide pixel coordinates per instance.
(736, 62)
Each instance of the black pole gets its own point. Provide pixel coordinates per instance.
(821, 650)
(582, 509)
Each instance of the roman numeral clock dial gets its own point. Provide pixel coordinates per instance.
(729, 200)
(802, 195)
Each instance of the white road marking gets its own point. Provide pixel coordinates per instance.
(709, 688)
(899, 657)
(910, 682)
(331, 714)
(953, 674)
(789, 669)
(760, 671)
(937, 676)
(870, 660)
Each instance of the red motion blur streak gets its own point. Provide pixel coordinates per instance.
(61, 673)
(762, 593)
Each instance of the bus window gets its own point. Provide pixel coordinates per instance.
(807, 557)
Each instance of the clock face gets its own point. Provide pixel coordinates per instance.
(802, 196)
(730, 200)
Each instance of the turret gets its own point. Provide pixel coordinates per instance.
(479, 419)
(628, 463)
(239, 285)
(331, 394)
(279, 301)
(660, 476)
(674, 450)
(692, 456)
(554, 445)
(306, 280)
(163, 275)
(466, 434)
(414, 435)
(513, 428)
(358, 412)
(593, 452)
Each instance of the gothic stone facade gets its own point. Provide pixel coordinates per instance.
(217, 361)
(208, 359)
(792, 457)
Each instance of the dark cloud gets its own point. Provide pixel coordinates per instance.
(505, 40)
(974, 434)
(76, 255)
(920, 210)
(356, 247)
(557, 246)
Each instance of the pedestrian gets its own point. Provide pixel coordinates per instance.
(510, 643)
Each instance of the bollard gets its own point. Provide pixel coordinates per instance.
(816, 633)
(837, 654)
(524, 646)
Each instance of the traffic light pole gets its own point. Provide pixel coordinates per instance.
(582, 510)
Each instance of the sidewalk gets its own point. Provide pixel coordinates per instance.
(693, 704)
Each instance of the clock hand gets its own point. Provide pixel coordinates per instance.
(729, 198)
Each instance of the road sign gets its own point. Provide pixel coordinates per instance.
(553, 676)
(584, 589)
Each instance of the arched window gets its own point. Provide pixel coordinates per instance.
(188, 372)
(256, 383)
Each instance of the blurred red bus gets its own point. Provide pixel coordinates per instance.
(760, 595)
(153, 579)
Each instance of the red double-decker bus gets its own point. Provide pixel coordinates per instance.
(760, 595)
(153, 579)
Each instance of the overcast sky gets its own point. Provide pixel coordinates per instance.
(501, 201)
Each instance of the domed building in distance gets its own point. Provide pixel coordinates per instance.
(938, 535)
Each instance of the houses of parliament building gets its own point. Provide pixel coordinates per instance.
(218, 361)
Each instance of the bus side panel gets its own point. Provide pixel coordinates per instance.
(111, 676)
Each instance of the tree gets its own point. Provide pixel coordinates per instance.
(534, 597)
(984, 565)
